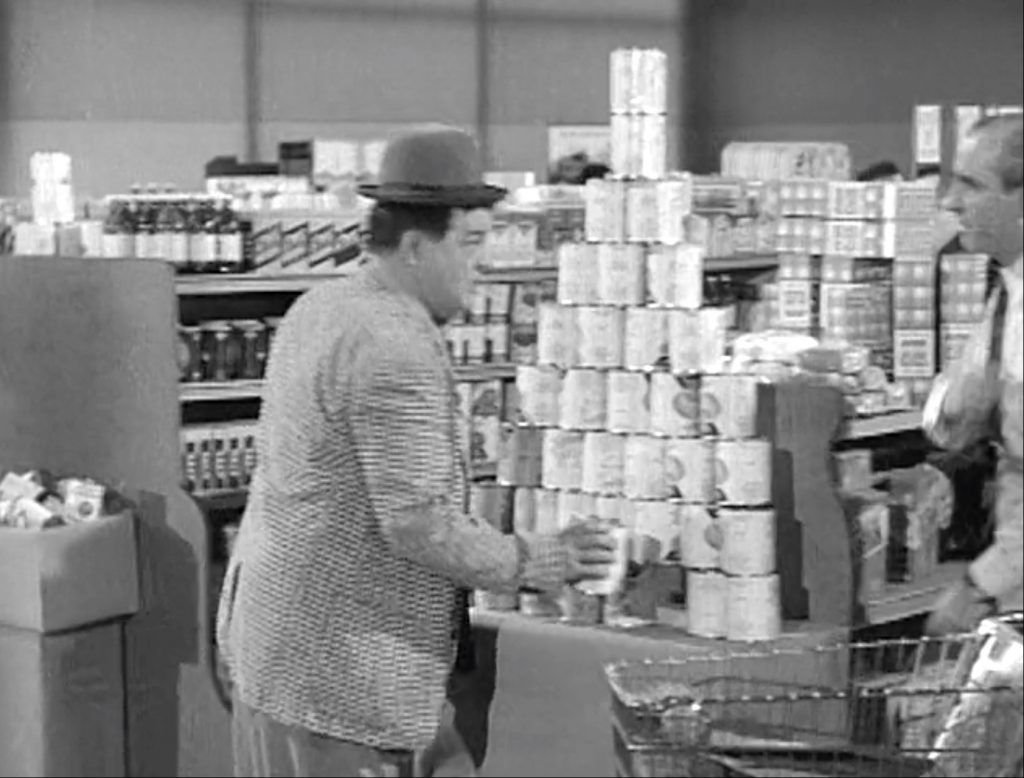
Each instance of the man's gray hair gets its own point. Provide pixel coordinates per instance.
(1008, 130)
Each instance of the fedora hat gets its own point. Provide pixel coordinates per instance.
(438, 166)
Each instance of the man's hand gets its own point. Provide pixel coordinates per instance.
(959, 609)
(590, 550)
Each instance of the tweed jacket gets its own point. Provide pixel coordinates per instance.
(339, 609)
(999, 570)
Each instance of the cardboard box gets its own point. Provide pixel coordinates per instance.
(62, 703)
(914, 354)
(66, 577)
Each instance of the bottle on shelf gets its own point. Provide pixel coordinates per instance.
(228, 229)
(118, 237)
(147, 243)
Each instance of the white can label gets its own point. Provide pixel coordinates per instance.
(600, 331)
(743, 472)
(748, 541)
(675, 405)
(574, 507)
(644, 472)
(754, 608)
(629, 406)
(540, 389)
(697, 524)
(557, 335)
(690, 467)
(603, 454)
(706, 602)
(562, 466)
(684, 341)
(583, 403)
(658, 521)
(728, 406)
(645, 340)
(620, 274)
(577, 274)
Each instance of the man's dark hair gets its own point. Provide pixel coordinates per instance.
(389, 221)
(878, 171)
(1008, 130)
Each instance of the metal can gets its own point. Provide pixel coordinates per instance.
(604, 209)
(743, 472)
(728, 405)
(652, 81)
(624, 65)
(706, 602)
(546, 512)
(583, 403)
(557, 335)
(659, 521)
(696, 527)
(644, 468)
(524, 509)
(623, 160)
(687, 285)
(603, 454)
(748, 540)
(620, 274)
(675, 405)
(539, 388)
(562, 465)
(660, 276)
(690, 467)
(684, 341)
(754, 609)
(609, 509)
(645, 338)
(600, 331)
(674, 202)
(629, 403)
(653, 147)
(577, 274)
(642, 212)
(714, 326)
(574, 507)
(495, 504)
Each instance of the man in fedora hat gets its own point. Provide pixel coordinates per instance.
(340, 609)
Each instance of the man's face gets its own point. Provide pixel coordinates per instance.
(446, 267)
(988, 215)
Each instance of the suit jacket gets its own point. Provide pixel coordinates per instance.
(340, 608)
(999, 570)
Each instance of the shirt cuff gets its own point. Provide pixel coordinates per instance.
(543, 562)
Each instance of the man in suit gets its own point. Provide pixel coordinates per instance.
(341, 607)
(980, 397)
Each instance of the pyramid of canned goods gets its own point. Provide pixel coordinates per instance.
(629, 413)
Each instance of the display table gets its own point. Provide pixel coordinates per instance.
(549, 702)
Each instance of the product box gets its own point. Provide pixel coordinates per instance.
(914, 354)
(66, 577)
(952, 340)
(62, 702)
(798, 305)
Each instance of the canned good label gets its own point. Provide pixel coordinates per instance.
(684, 341)
(706, 602)
(622, 160)
(620, 274)
(644, 472)
(696, 526)
(690, 466)
(539, 388)
(562, 463)
(654, 147)
(659, 521)
(557, 335)
(604, 209)
(714, 326)
(609, 508)
(574, 507)
(675, 405)
(577, 277)
(687, 284)
(754, 608)
(728, 405)
(629, 408)
(621, 85)
(653, 81)
(485, 440)
(583, 404)
(642, 212)
(600, 332)
(524, 509)
(645, 338)
(603, 454)
(748, 541)
(743, 472)
(674, 203)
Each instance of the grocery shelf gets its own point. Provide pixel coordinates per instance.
(905, 600)
(495, 371)
(249, 283)
(882, 424)
(516, 275)
(208, 391)
(740, 262)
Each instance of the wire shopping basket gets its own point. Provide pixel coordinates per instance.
(926, 708)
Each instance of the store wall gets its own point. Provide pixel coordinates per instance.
(847, 71)
(134, 90)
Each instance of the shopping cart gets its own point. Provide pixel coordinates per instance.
(905, 708)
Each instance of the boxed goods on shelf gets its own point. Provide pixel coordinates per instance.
(218, 457)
